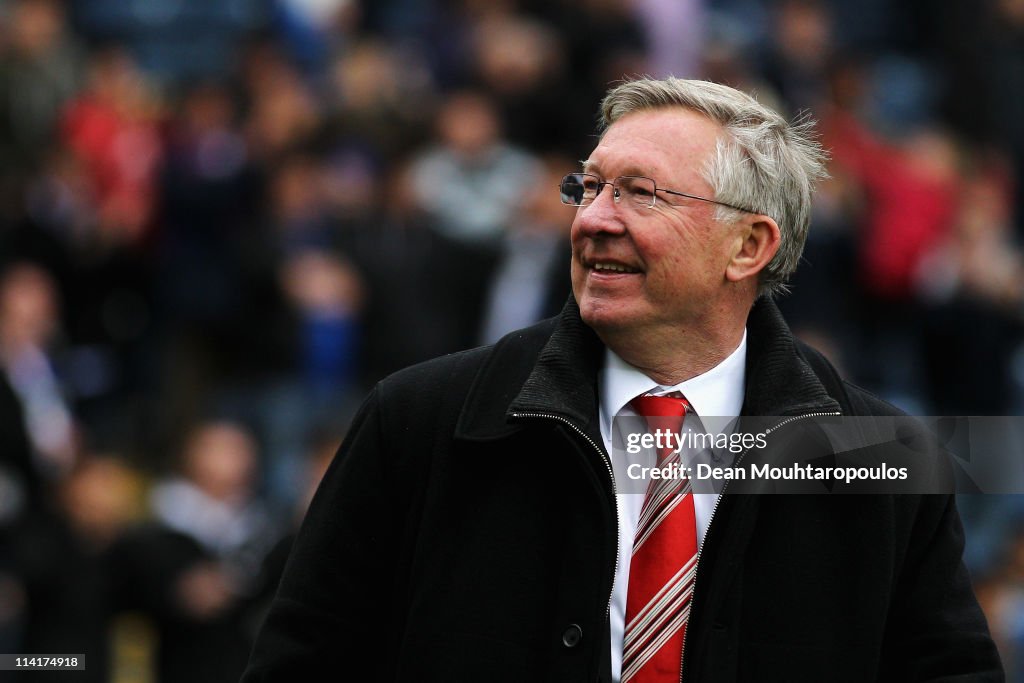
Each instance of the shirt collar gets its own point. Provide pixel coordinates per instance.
(718, 392)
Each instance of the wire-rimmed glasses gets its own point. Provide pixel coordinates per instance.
(580, 189)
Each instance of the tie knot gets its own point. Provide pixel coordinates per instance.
(662, 412)
(661, 406)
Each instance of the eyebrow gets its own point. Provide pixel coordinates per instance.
(594, 167)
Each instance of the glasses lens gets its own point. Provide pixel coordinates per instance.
(637, 189)
(572, 189)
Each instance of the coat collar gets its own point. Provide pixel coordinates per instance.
(779, 380)
(552, 369)
(548, 369)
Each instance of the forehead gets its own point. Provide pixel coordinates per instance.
(668, 143)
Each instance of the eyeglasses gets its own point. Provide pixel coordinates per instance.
(580, 189)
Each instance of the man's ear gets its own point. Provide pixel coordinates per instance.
(757, 243)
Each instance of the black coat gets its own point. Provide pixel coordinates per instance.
(467, 531)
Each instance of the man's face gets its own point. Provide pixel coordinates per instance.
(675, 253)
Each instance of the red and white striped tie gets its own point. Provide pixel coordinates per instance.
(664, 561)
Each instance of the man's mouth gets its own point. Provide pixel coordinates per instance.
(604, 267)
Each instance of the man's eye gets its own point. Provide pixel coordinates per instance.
(639, 191)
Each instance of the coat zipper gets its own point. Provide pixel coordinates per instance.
(615, 496)
(696, 575)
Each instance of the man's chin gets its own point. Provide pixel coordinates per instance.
(607, 319)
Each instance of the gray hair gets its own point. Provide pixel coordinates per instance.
(762, 162)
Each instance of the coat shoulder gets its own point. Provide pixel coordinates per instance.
(853, 399)
(511, 356)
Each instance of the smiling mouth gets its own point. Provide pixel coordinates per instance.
(613, 268)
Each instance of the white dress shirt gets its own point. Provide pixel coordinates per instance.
(716, 393)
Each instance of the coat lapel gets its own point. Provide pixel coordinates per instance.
(548, 369)
(779, 380)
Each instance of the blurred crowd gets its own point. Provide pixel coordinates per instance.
(221, 221)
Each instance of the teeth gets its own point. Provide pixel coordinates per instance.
(613, 267)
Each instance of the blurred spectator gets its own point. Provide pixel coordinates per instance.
(282, 111)
(210, 199)
(224, 323)
(973, 283)
(113, 129)
(40, 69)
(471, 180)
(522, 66)
(29, 322)
(63, 560)
(417, 280)
(908, 193)
(531, 281)
(379, 101)
(214, 499)
(979, 257)
(194, 570)
(321, 299)
(328, 295)
(796, 60)
(212, 245)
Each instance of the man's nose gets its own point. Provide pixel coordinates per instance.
(603, 215)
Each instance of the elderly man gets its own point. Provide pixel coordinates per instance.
(472, 529)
